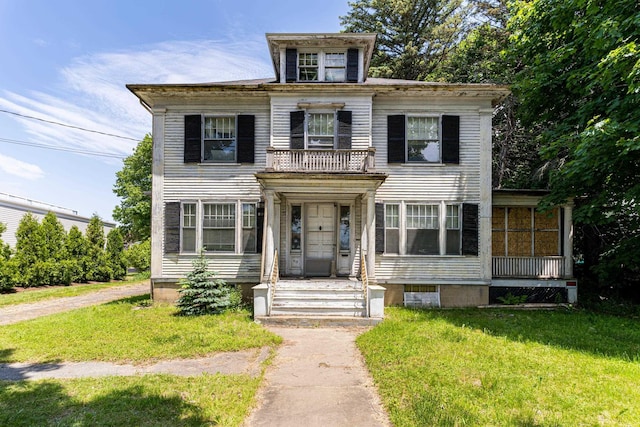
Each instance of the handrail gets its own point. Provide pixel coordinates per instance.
(321, 160)
(365, 281)
(273, 278)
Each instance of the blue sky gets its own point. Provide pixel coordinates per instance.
(68, 62)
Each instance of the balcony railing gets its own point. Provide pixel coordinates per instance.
(529, 267)
(358, 161)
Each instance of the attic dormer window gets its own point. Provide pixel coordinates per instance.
(322, 66)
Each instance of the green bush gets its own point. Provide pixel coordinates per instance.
(114, 250)
(202, 294)
(138, 256)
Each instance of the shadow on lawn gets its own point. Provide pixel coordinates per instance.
(588, 332)
(28, 403)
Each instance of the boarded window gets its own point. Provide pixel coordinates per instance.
(523, 231)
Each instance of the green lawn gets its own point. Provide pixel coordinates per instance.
(151, 400)
(129, 330)
(36, 294)
(506, 368)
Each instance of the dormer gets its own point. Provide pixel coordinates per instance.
(321, 58)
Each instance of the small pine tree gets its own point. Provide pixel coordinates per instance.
(202, 294)
(76, 249)
(97, 262)
(115, 249)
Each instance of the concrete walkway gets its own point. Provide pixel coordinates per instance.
(318, 378)
(18, 313)
(247, 362)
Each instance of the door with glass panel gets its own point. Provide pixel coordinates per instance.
(320, 239)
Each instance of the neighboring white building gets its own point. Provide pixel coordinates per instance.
(13, 208)
(332, 174)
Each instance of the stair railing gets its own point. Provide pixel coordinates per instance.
(365, 282)
(273, 278)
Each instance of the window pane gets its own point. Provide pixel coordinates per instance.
(345, 228)
(453, 242)
(334, 60)
(188, 239)
(392, 241)
(296, 227)
(392, 216)
(423, 242)
(453, 217)
(219, 240)
(335, 74)
(219, 150)
(248, 215)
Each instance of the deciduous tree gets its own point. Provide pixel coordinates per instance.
(133, 187)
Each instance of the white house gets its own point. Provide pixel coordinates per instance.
(13, 208)
(325, 191)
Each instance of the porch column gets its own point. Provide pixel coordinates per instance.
(269, 247)
(567, 241)
(157, 195)
(371, 236)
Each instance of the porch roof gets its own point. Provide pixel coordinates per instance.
(320, 183)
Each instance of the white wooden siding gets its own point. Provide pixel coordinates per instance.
(429, 183)
(360, 117)
(214, 182)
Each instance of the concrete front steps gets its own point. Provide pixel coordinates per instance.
(318, 302)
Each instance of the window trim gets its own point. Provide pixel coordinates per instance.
(406, 138)
(205, 139)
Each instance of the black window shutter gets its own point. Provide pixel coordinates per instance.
(291, 65)
(344, 130)
(451, 139)
(395, 139)
(246, 138)
(379, 228)
(352, 65)
(470, 227)
(259, 228)
(172, 227)
(192, 138)
(297, 130)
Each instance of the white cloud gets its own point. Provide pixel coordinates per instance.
(93, 95)
(20, 169)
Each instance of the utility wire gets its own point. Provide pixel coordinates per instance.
(68, 126)
(53, 147)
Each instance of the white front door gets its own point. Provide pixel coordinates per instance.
(320, 239)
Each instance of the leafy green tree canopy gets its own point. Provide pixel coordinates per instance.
(579, 81)
(133, 186)
(414, 36)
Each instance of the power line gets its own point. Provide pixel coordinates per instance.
(68, 126)
(67, 149)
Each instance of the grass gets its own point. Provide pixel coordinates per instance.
(152, 400)
(129, 330)
(36, 294)
(506, 368)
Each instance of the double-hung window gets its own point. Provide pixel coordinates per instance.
(320, 130)
(188, 227)
(218, 227)
(423, 141)
(422, 229)
(392, 229)
(321, 66)
(453, 235)
(219, 139)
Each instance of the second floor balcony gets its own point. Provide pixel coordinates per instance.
(321, 160)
